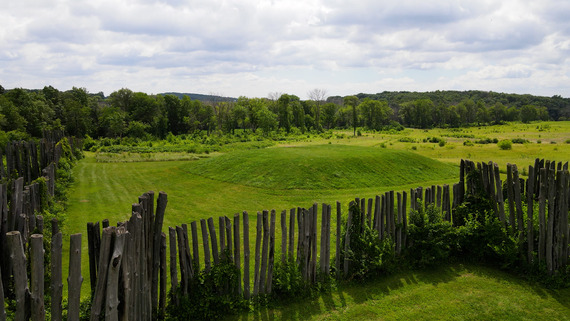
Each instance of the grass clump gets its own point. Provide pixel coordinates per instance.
(505, 144)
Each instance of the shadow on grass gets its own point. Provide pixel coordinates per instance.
(358, 292)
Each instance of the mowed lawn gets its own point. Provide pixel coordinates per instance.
(449, 292)
(324, 171)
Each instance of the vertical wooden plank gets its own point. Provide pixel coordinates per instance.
(492, 187)
(56, 276)
(195, 246)
(550, 223)
(283, 236)
(499, 191)
(382, 224)
(264, 253)
(338, 231)
(74, 279)
(37, 277)
(543, 191)
(19, 273)
(346, 265)
(187, 255)
(404, 219)
(392, 219)
(511, 197)
(229, 238)
(314, 240)
(376, 222)
(399, 229)
(222, 222)
(291, 234)
(438, 198)
(271, 253)
(156, 231)
(246, 292)
(322, 248)
(173, 270)
(91, 252)
(112, 295)
(237, 250)
(300, 236)
(184, 269)
(307, 221)
(205, 243)
(328, 240)
(162, 290)
(258, 235)
(213, 240)
(369, 213)
(2, 309)
(529, 216)
(100, 287)
(518, 204)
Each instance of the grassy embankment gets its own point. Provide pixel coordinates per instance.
(282, 178)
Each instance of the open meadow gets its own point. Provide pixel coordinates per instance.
(317, 169)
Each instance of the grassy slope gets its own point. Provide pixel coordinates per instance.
(107, 190)
(453, 292)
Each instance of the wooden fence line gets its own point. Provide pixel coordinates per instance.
(128, 263)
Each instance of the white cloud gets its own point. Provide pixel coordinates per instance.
(252, 47)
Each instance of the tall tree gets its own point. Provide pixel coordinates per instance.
(318, 96)
(352, 101)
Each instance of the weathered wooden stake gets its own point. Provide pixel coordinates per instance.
(283, 236)
(338, 231)
(173, 270)
(21, 289)
(99, 294)
(204, 228)
(264, 253)
(213, 239)
(257, 254)
(56, 276)
(271, 253)
(529, 217)
(246, 292)
(37, 277)
(291, 233)
(74, 279)
(112, 297)
(237, 254)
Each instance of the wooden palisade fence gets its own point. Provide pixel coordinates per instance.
(128, 262)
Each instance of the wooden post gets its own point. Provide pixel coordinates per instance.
(347, 243)
(195, 245)
(56, 276)
(162, 291)
(376, 220)
(529, 217)
(246, 293)
(369, 212)
(2, 309)
(156, 231)
(392, 219)
(222, 223)
(404, 219)
(499, 191)
(291, 233)
(518, 202)
(271, 253)
(543, 191)
(306, 264)
(550, 226)
(399, 228)
(99, 295)
(21, 289)
(213, 239)
(264, 253)
(184, 268)
(314, 239)
(74, 279)
(283, 236)
(510, 196)
(328, 241)
(237, 253)
(229, 238)
(300, 237)
(207, 264)
(338, 231)
(323, 238)
(173, 271)
(258, 235)
(91, 252)
(37, 277)
(112, 296)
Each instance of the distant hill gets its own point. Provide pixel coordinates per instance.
(200, 97)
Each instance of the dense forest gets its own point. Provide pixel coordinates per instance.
(26, 113)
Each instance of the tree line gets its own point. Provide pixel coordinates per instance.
(26, 113)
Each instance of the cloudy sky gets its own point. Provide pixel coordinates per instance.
(255, 47)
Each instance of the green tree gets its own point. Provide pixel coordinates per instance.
(528, 113)
(318, 96)
(352, 102)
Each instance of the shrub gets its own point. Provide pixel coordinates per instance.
(441, 143)
(406, 140)
(468, 143)
(505, 144)
(368, 254)
(431, 240)
(519, 141)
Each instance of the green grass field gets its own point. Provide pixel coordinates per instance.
(449, 292)
(295, 174)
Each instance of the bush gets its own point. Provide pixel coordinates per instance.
(505, 144)
(441, 143)
(519, 141)
(431, 240)
(468, 143)
(368, 254)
